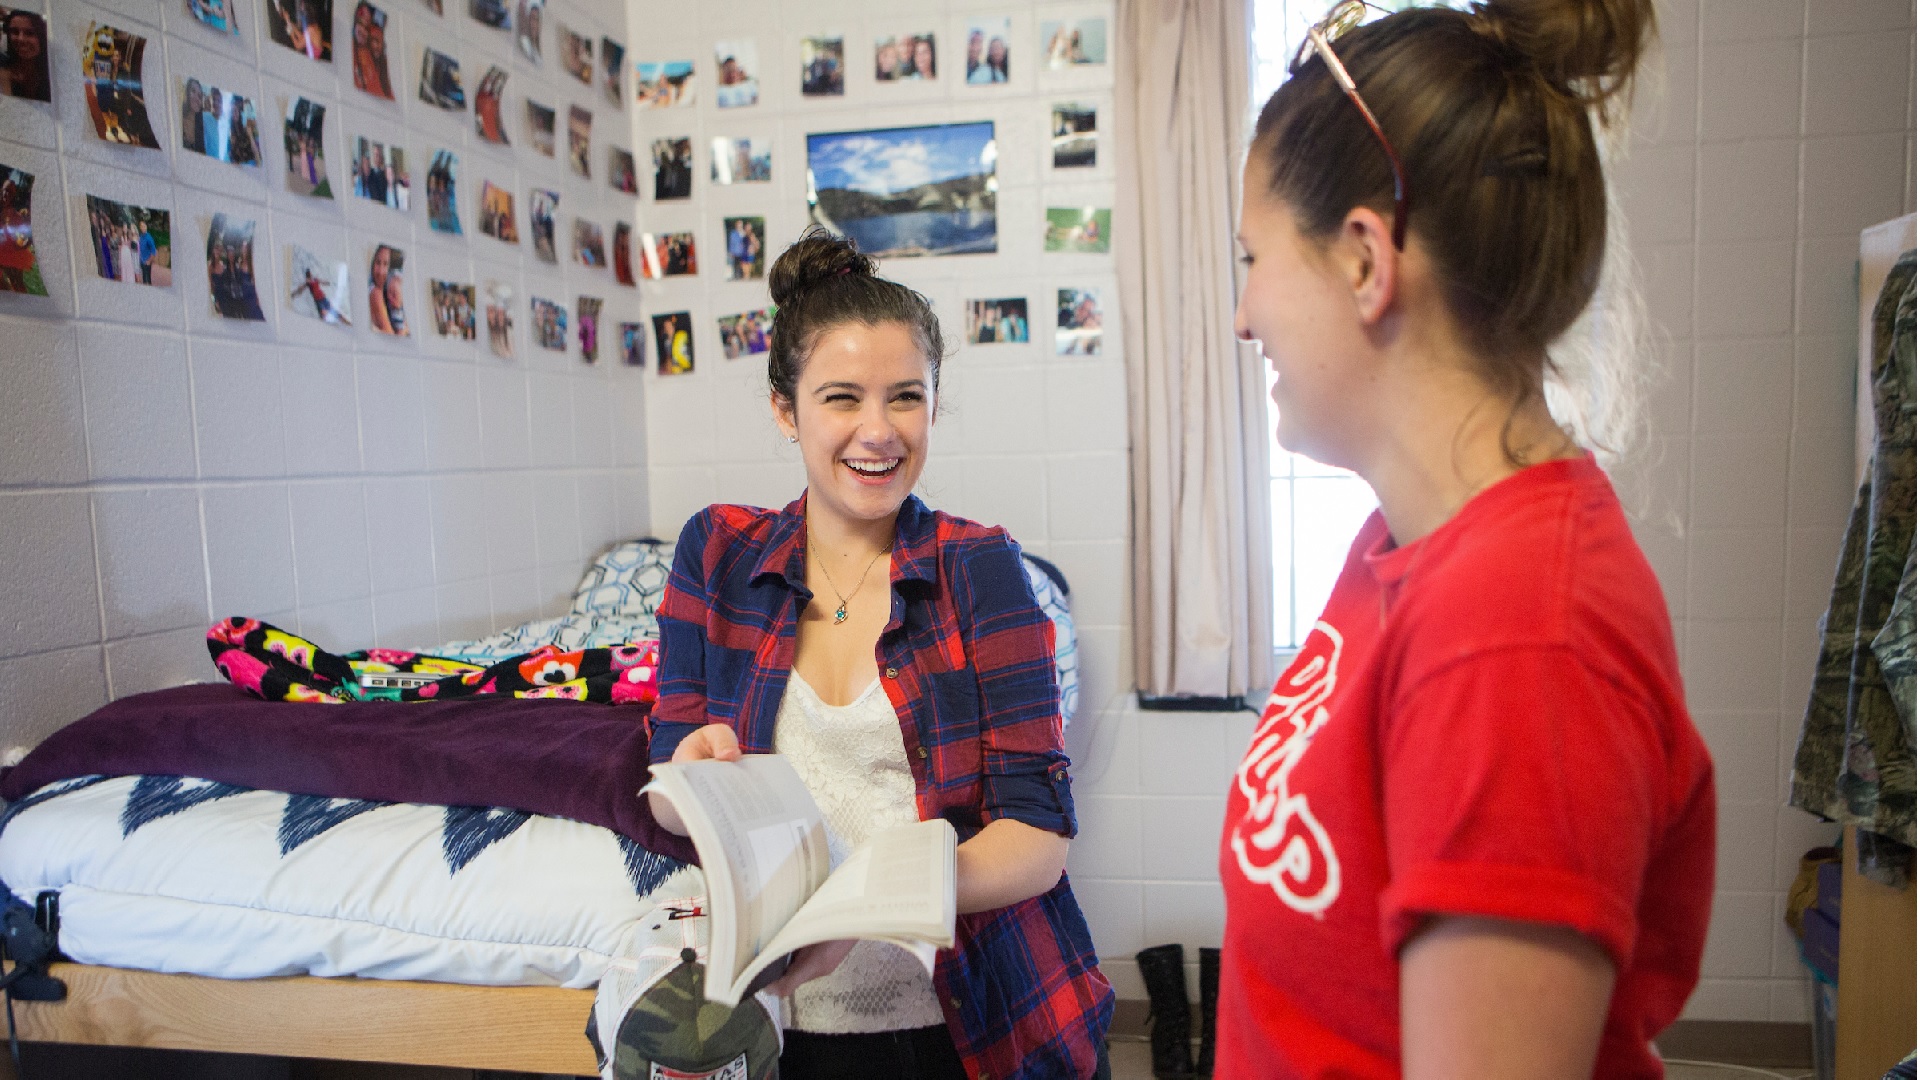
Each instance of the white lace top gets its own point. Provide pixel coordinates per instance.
(854, 763)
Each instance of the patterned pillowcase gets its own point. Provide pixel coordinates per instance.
(1050, 589)
(626, 581)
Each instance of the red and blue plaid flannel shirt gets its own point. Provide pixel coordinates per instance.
(967, 660)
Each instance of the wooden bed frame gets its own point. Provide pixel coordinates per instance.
(519, 1028)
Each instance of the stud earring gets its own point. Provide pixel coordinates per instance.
(793, 438)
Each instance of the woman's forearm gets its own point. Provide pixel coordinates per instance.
(1007, 862)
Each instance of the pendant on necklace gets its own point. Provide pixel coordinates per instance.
(840, 615)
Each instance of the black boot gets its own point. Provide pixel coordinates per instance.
(1163, 969)
(1209, 1000)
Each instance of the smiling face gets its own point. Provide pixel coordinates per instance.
(1297, 305)
(863, 415)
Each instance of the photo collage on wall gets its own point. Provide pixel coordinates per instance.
(921, 191)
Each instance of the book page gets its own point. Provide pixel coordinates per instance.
(897, 887)
(762, 844)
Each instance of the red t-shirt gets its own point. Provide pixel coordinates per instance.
(1489, 722)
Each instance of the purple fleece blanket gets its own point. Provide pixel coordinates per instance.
(560, 758)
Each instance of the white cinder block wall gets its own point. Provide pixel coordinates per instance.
(1784, 128)
(160, 467)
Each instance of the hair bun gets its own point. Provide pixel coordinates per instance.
(817, 257)
(1585, 48)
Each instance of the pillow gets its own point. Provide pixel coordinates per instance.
(625, 581)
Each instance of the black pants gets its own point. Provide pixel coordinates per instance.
(917, 1054)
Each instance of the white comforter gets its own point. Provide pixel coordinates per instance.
(174, 875)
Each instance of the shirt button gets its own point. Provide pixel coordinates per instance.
(893, 673)
(923, 751)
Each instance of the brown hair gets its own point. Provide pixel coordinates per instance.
(1488, 109)
(823, 281)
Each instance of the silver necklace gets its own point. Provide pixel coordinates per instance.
(840, 613)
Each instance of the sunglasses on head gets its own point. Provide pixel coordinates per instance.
(1343, 17)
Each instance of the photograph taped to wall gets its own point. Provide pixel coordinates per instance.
(620, 171)
(496, 213)
(1088, 230)
(672, 169)
(576, 55)
(742, 161)
(23, 55)
(305, 26)
(306, 149)
(1076, 136)
(527, 18)
(746, 247)
(664, 255)
(587, 312)
(737, 65)
(370, 51)
(499, 312)
(132, 244)
(110, 64)
(386, 291)
(1077, 326)
(219, 14)
(633, 344)
(549, 325)
(443, 192)
(997, 322)
(489, 106)
(440, 81)
(230, 270)
(904, 57)
(320, 288)
(19, 263)
(453, 311)
(542, 206)
(1074, 43)
(673, 342)
(579, 139)
(220, 124)
(589, 243)
(613, 60)
(906, 191)
(823, 66)
(664, 85)
(494, 13)
(989, 41)
(380, 173)
(540, 120)
(746, 334)
(623, 253)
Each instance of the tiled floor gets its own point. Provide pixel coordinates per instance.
(1131, 1061)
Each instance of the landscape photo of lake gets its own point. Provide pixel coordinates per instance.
(906, 191)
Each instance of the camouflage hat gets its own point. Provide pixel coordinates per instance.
(674, 1033)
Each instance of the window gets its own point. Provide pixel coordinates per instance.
(1317, 509)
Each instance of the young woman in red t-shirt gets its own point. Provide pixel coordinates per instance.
(1472, 835)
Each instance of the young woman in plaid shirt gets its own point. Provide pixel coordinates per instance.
(897, 656)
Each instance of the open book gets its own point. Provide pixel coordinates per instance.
(763, 847)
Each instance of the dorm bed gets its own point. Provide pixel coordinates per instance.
(440, 882)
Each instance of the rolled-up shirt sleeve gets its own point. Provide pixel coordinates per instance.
(683, 643)
(1010, 639)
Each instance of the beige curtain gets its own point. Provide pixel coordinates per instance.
(1202, 543)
